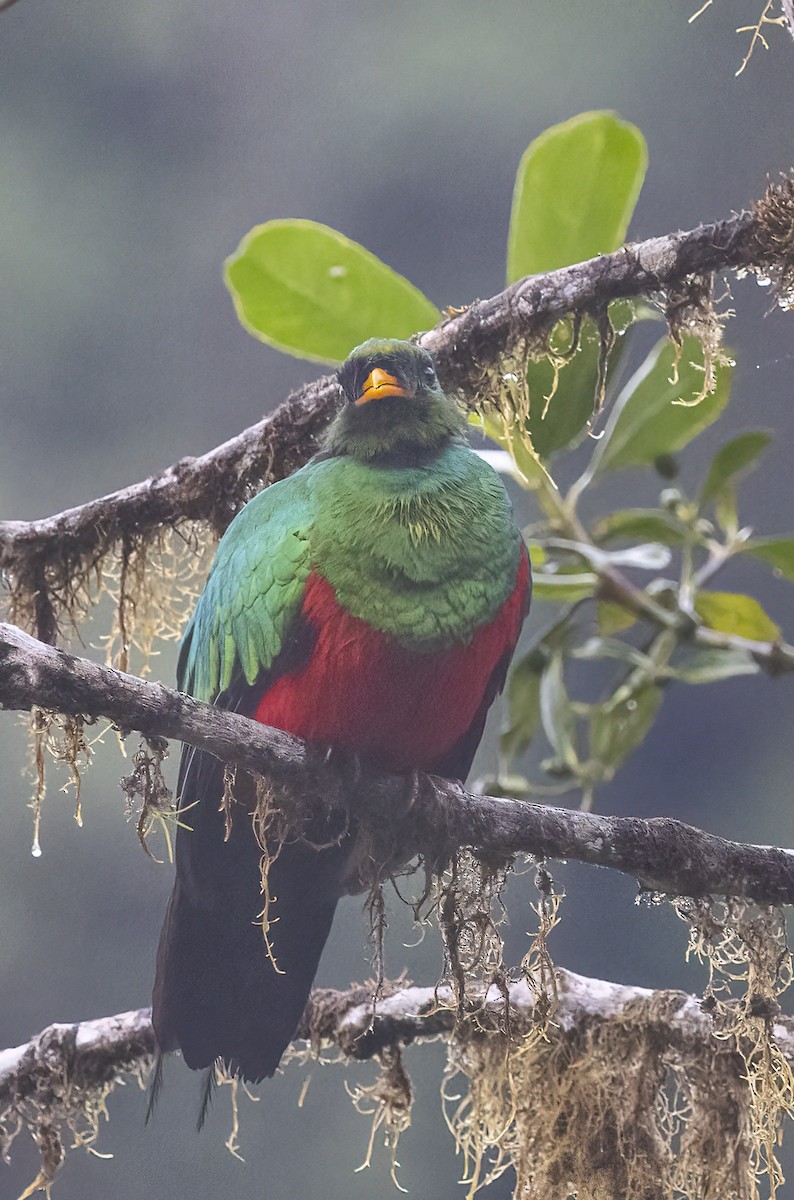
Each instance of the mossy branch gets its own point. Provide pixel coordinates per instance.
(663, 855)
(40, 558)
(61, 1077)
(95, 1052)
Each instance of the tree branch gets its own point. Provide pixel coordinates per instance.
(467, 345)
(70, 1061)
(663, 855)
(89, 1054)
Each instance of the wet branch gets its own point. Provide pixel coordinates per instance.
(435, 818)
(73, 1060)
(467, 345)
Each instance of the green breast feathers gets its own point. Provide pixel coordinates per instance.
(426, 553)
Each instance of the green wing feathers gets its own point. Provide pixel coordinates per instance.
(426, 556)
(254, 590)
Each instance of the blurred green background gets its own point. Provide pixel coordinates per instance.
(139, 143)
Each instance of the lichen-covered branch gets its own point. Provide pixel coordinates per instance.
(61, 1079)
(76, 1058)
(37, 556)
(435, 818)
(415, 1014)
(92, 1053)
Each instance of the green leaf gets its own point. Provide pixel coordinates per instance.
(617, 729)
(776, 552)
(730, 460)
(613, 618)
(311, 291)
(655, 413)
(742, 616)
(563, 588)
(523, 706)
(573, 402)
(647, 523)
(575, 191)
(556, 712)
(523, 690)
(725, 510)
(710, 666)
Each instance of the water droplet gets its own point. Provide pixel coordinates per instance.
(35, 849)
(337, 272)
(631, 705)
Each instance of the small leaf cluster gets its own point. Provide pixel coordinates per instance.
(634, 609)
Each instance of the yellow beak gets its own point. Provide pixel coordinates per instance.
(380, 383)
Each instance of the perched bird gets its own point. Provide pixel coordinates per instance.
(371, 601)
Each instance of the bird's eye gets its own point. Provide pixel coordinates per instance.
(430, 373)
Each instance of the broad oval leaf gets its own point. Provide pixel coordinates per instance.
(731, 459)
(654, 413)
(733, 613)
(309, 290)
(776, 552)
(576, 188)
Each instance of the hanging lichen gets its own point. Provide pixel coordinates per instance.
(634, 1099)
(154, 583)
(749, 962)
(57, 738)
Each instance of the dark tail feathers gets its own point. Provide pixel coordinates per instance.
(217, 994)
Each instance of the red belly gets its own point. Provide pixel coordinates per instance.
(363, 691)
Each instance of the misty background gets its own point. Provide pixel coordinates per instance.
(138, 143)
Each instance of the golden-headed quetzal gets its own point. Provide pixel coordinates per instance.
(371, 601)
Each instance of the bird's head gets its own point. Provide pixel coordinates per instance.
(394, 403)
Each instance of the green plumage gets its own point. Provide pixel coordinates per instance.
(426, 553)
(421, 545)
(370, 601)
(254, 589)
